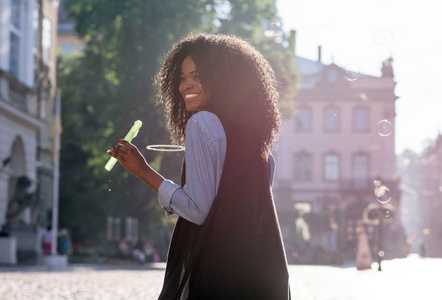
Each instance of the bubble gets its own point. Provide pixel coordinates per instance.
(381, 253)
(387, 214)
(110, 190)
(383, 194)
(274, 30)
(384, 128)
(352, 72)
(383, 36)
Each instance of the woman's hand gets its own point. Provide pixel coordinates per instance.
(129, 156)
(132, 159)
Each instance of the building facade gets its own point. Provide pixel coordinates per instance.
(27, 92)
(430, 200)
(335, 153)
(67, 38)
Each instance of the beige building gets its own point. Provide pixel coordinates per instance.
(67, 39)
(27, 91)
(340, 140)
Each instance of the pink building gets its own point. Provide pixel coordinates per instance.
(430, 200)
(329, 155)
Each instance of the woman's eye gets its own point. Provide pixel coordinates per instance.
(196, 77)
(182, 79)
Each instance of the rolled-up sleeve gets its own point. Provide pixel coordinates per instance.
(165, 193)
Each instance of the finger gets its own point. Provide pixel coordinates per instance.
(120, 148)
(124, 143)
(114, 154)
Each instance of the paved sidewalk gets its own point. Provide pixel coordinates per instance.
(401, 279)
(81, 282)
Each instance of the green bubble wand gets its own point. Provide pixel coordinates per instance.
(129, 136)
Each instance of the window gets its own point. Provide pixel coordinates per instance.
(46, 38)
(303, 119)
(331, 122)
(361, 119)
(360, 170)
(331, 167)
(15, 13)
(35, 19)
(303, 166)
(14, 54)
(14, 38)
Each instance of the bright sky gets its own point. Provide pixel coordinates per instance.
(365, 33)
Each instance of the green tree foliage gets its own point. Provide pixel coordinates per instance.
(109, 86)
(258, 22)
(105, 89)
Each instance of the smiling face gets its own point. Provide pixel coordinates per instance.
(190, 87)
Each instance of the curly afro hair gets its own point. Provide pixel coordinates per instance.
(239, 80)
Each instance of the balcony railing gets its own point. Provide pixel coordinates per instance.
(365, 184)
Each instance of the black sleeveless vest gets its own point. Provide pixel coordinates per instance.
(238, 252)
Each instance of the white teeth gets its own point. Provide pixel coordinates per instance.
(191, 95)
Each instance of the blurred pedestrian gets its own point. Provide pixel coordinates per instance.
(423, 249)
(46, 237)
(221, 100)
(149, 250)
(124, 248)
(64, 242)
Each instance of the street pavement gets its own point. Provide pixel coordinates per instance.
(400, 279)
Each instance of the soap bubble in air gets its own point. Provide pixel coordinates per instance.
(383, 194)
(352, 72)
(384, 128)
(274, 30)
(383, 36)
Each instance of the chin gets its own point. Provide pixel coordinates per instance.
(192, 108)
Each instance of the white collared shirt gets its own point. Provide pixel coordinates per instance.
(205, 144)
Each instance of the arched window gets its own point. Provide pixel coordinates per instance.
(331, 119)
(303, 119)
(361, 170)
(17, 164)
(331, 167)
(361, 120)
(303, 166)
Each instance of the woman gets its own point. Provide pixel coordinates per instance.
(221, 100)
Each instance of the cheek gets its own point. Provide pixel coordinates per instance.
(205, 99)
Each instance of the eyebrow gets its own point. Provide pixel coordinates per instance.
(191, 72)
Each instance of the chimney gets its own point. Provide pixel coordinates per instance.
(292, 41)
(319, 54)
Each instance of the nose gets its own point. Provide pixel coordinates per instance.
(188, 83)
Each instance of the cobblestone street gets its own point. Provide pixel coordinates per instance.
(411, 278)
